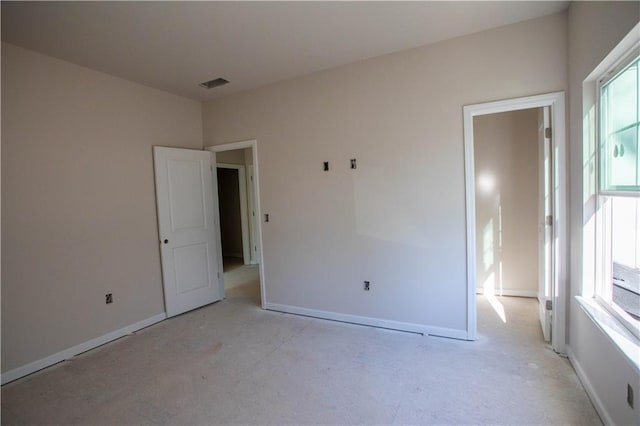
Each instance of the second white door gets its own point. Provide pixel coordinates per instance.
(545, 221)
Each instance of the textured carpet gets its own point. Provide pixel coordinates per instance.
(233, 363)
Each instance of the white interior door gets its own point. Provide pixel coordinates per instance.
(545, 222)
(188, 231)
(253, 225)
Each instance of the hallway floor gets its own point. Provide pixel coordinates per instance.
(241, 281)
(233, 363)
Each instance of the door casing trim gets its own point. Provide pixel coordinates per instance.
(556, 101)
(253, 144)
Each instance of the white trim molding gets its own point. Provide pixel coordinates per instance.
(368, 321)
(48, 361)
(556, 102)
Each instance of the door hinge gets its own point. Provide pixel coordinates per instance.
(547, 132)
(218, 275)
(549, 220)
(549, 305)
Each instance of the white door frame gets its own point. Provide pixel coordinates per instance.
(253, 144)
(244, 218)
(557, 104)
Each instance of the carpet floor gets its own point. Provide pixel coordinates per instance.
(233, 363)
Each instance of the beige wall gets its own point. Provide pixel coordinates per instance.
(506, 151)
(235, 156)
(398, 220)
(595, 28)
(248, 156)
(78, 210)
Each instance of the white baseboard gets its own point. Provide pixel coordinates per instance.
(595, 399)
(374, 322)
(34, 366)
(513, 293)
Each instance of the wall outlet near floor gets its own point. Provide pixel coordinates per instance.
(629, 395)
(108, 298)
(367, 285)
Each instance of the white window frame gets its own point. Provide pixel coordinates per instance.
(630, 56)
(603, 284)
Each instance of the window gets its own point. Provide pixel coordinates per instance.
(620, 162)
(619, 193)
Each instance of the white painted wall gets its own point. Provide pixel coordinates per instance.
(79, 211)
(506, 168)
(595, 28)
(398, 220)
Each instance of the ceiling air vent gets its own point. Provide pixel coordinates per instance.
(213, 83)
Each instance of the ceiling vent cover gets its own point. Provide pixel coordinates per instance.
(213, 83)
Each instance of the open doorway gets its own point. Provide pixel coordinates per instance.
(512, 201)
(515, 198)
(238, 207)
(234, 220)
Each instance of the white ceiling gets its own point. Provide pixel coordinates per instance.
(173, 46)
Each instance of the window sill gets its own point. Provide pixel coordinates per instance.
(622, 338)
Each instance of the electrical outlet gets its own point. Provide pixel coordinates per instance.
(367, 285)
(109, 298)
(629, 395)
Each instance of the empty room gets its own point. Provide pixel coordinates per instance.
(320, 213)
